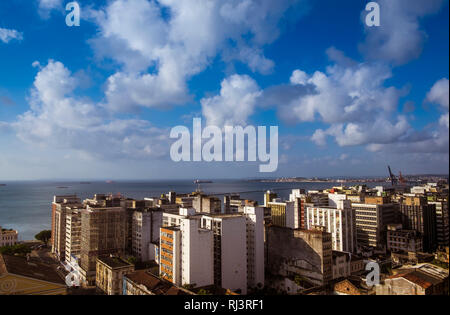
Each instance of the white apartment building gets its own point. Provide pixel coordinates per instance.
(8, 237)
(338, 221)
(145, 230)
(73, 234)
(230, 250)
(186, 250)
(255, 246)
(333, 199)
(197, 254)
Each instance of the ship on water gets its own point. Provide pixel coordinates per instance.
(198, 181)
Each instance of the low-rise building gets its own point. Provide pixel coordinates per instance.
(341, 264)
(142, 282)
(403, 240)
(27, 276)
(8, 237)
(110, 273)
(425, 279)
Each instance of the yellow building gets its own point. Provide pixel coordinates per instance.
(110, 273)
(22, 276)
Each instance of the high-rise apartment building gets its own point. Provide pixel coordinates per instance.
(206, 204)
(442, 222)
(230, 250)
(300, 200)
(103, 232)
(145, 225)
(284, 214)
(73, 234)
(340, 222)
(255, 246)
(186, 250)
(268, 197)
(372, 218)
(60, 206)
(417, 214)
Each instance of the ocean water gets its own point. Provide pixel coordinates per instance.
(26, 206)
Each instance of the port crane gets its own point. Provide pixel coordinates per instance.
(394, 179)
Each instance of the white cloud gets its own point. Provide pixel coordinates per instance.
(439, 93)
(57, 119)
(163, 44)
(343, 94)
(399, 39)
(236, 102)
(299, 77)
(437, 139)
(7, 35)
(353, 134)
(46, 6)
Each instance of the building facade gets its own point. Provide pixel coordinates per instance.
(103, 232)
(230, 250)
(8, 237)
(60, 206)
(417, 214)
(109, 274)
(371, 220)
(145, 227)
(339, 222)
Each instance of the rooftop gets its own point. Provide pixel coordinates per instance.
(28, 268)
(155, 284)
(114, 262)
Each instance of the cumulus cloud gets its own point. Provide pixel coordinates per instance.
(7, 35)
(161, 44)
(436, 139)
(46, 6)
(235, 103)
(351, 98)
(59, 119)
(399, 39)
(439, 93)
(342, 94)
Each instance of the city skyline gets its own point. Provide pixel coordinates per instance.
(98, 101)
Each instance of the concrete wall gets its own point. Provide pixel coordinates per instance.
(291, 252)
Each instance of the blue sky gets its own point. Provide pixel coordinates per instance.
(99, 100)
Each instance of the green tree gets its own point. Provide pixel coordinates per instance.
(203, 292)
(19, 249)
(44, 236)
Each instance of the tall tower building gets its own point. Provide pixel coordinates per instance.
(230, 250)
(371, 222)
(340, 222)
(103, 232)
(417, 214)
(255, 246)
(61, 205)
